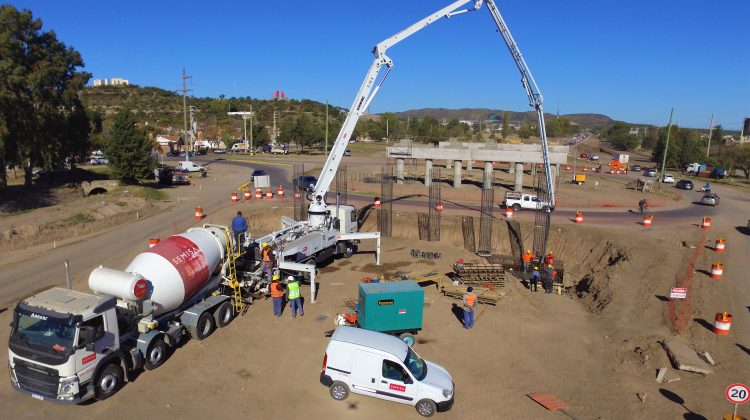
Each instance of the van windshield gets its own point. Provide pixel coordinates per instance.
(415, 364)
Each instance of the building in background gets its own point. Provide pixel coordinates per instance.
(115, 81)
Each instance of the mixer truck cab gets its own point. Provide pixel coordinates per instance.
(382, 366)
(68, 346)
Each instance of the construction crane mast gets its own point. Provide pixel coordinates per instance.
(318, 213)
(545, 184)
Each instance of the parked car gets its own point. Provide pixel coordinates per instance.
(635, 168)
(173, 153)
(258, 172)
(220, 151)
(649, 172)
(307, 183)
(584, 155)
(684, 184)
(99, 161)
(347, 152)
(594, 157)
(180, 178)
(379, 365)
(668, 179)
(710, 199)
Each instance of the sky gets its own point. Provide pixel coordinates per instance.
(631, 60)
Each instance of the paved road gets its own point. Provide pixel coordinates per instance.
(122, 243)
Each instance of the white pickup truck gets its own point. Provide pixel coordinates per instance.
(522, 201)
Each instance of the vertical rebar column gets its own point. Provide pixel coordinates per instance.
(297, 171)
(385, 214)
(433, 214)
(485, 222)
(542, 217)
(341, 184)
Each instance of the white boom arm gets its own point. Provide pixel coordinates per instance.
(318, 210)
(532, 90)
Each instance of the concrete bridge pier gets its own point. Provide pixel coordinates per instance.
(488, 178)
(511, 167)
(518, 183)
(427, 172)
(457, 166)
(399, 171)
(469, 165)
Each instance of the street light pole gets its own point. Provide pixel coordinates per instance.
(245, 115)
(666, 147)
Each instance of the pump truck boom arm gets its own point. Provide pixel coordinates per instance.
(317, 211)
(532, 90)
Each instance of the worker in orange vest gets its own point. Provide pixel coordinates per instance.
(267, 266)
(277, 295)
(526, 258)
(470, 301)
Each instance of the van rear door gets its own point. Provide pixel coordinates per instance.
(365, 373)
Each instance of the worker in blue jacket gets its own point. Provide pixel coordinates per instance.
(239, 227)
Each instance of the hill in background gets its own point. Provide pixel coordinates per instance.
(594, 121)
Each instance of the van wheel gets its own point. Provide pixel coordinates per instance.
(205, 326)
(224, 314)
(408, 339)
(108, 382)
(516, 207)
(339, 391)
(156, 353)
(426, 407)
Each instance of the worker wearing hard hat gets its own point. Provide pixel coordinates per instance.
(526, 258)
(267, 266)
(534, 278)
(295, 300)
(277, 295)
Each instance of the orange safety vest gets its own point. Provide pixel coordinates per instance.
(527, 257)
(276, 291)
(471, 300)
(266, 254)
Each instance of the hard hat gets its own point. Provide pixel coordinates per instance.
(528, 250)
(275, 276)
(536, 268)
(264, 244)
(290, 278)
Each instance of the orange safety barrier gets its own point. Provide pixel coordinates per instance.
(717, 270)
(198, 213)
(297, 195)
(377, 203)
(647, 220)
(269, 193)
(706, 223)
(579, 217)
(152, 242)
(281, 192)
(720, 243)
(722, 323)
(247, 194)
(439, 206)
(509, 212)
(258, 194)
(234, 197)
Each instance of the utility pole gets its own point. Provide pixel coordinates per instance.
(245, 116)
(193, 129)
(710, 132)
(386, 131)
(185, 90)
(325, 151)
(666, 146)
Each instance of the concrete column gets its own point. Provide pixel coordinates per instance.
(511, 167)
(469, 165)
(533, 169)
(488, 178)
(399, 171)
(427, 172)
(457, 174)
(518, 184)
(447, 164)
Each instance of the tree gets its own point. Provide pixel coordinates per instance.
(41, 117)
(129, 149)
(739, 156)
(506, 126)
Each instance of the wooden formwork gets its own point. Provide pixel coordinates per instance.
(480, 274)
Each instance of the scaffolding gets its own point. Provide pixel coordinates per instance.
(385, 214)
(340, 186)
(485, 222)
(542, 216)
(433, 229)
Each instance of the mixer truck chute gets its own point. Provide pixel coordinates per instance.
(67, 346)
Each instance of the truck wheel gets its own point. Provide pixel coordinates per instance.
(205, 326)
(156, 353)
(516, 207)
(339, 391)
(426, 407)
(224, 314)
(408, 339)
(348, 251)
(108, 382)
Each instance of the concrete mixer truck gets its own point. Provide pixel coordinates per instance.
(67, 346)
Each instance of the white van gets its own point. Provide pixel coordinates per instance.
(383, 366)
(190, 166)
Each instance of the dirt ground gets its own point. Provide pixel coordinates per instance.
(597, 346)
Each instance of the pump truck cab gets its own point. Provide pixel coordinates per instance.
(382, 366)
(68, 346)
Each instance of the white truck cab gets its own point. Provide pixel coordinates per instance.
(190, 166)
(383, 366)
(522, 201)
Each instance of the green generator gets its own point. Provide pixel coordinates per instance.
(391, 307)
